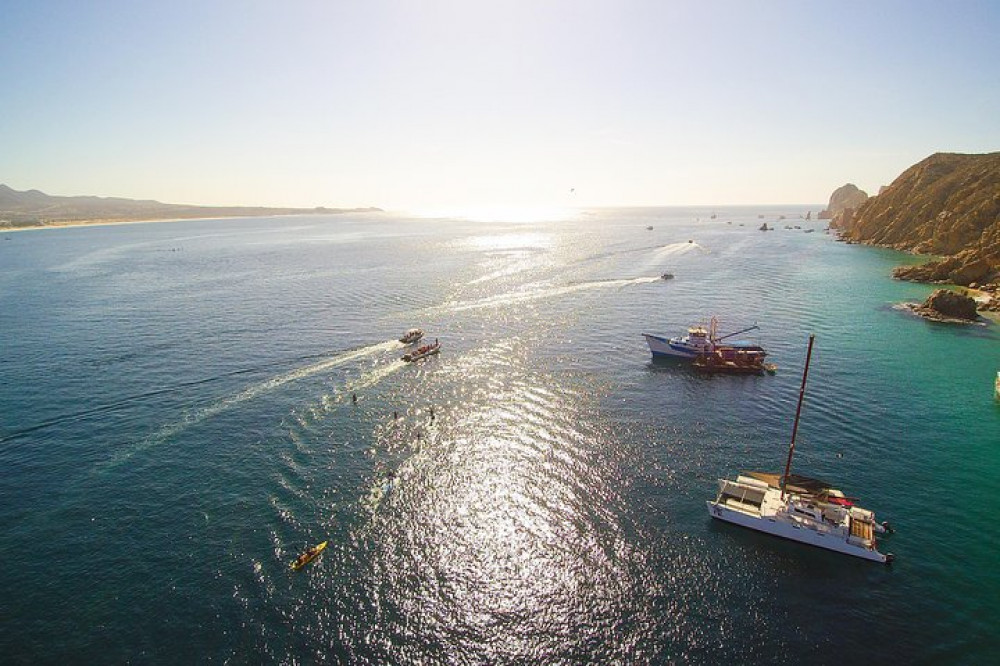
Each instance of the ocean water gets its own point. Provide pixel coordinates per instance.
(178, 424)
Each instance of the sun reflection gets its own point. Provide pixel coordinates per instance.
(512, 241)
(498, 213)
(493, 538)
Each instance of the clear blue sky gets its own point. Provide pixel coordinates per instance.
(434, 104)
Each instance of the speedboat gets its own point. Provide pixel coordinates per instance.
(799, 508)
(422, 352)
(667, 276)
(411, 336)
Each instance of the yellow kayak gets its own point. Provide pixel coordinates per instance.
(308, 556)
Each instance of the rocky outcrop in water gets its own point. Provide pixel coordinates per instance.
(948, 306)
(947, 204)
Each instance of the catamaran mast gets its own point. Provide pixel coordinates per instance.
(798, 411)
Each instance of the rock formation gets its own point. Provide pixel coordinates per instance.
(843, 202)
(947, 204)
(948, 306)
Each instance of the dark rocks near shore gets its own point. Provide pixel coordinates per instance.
(948, 306)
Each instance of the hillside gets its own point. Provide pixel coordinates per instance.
(33, 208)
(948, 205)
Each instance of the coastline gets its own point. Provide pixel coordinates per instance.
(982, 297)
(103, 222)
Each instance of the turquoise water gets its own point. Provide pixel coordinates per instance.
(178, 425)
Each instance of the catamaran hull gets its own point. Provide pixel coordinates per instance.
(793, 532)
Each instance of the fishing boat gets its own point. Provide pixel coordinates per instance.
(800, 508)
(699, 340)
(308, 556)
(411, 336)
(422, 352)
(732, 361)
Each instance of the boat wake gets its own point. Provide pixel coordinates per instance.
(526, 296)
(675, 249)
(168, 431)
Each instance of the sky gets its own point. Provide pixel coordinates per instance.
(434, 104)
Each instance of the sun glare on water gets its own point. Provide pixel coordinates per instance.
(508, 214)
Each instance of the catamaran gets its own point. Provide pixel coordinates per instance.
(799, 508)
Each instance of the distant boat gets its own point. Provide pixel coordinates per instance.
(422, 352)
(799, 508)
(764, 227)
(411, 336)
(667, 276)
(699, 340)
(649, 228)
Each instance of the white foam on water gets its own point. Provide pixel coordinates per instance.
(170, 430)
(514, 298)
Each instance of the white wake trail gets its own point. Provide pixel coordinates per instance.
(170, 430)
(535, 294)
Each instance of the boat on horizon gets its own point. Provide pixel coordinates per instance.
(422, 352)
(698, 341)
(800, 508)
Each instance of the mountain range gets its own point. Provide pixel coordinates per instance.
(33, 208)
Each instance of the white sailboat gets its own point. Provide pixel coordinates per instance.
(799, 508)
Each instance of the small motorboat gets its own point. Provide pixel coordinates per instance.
(411, 336)
(308, 556)
(667, 276)
(422, 352)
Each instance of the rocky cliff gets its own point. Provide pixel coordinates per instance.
(947, 204)
(843, 202)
